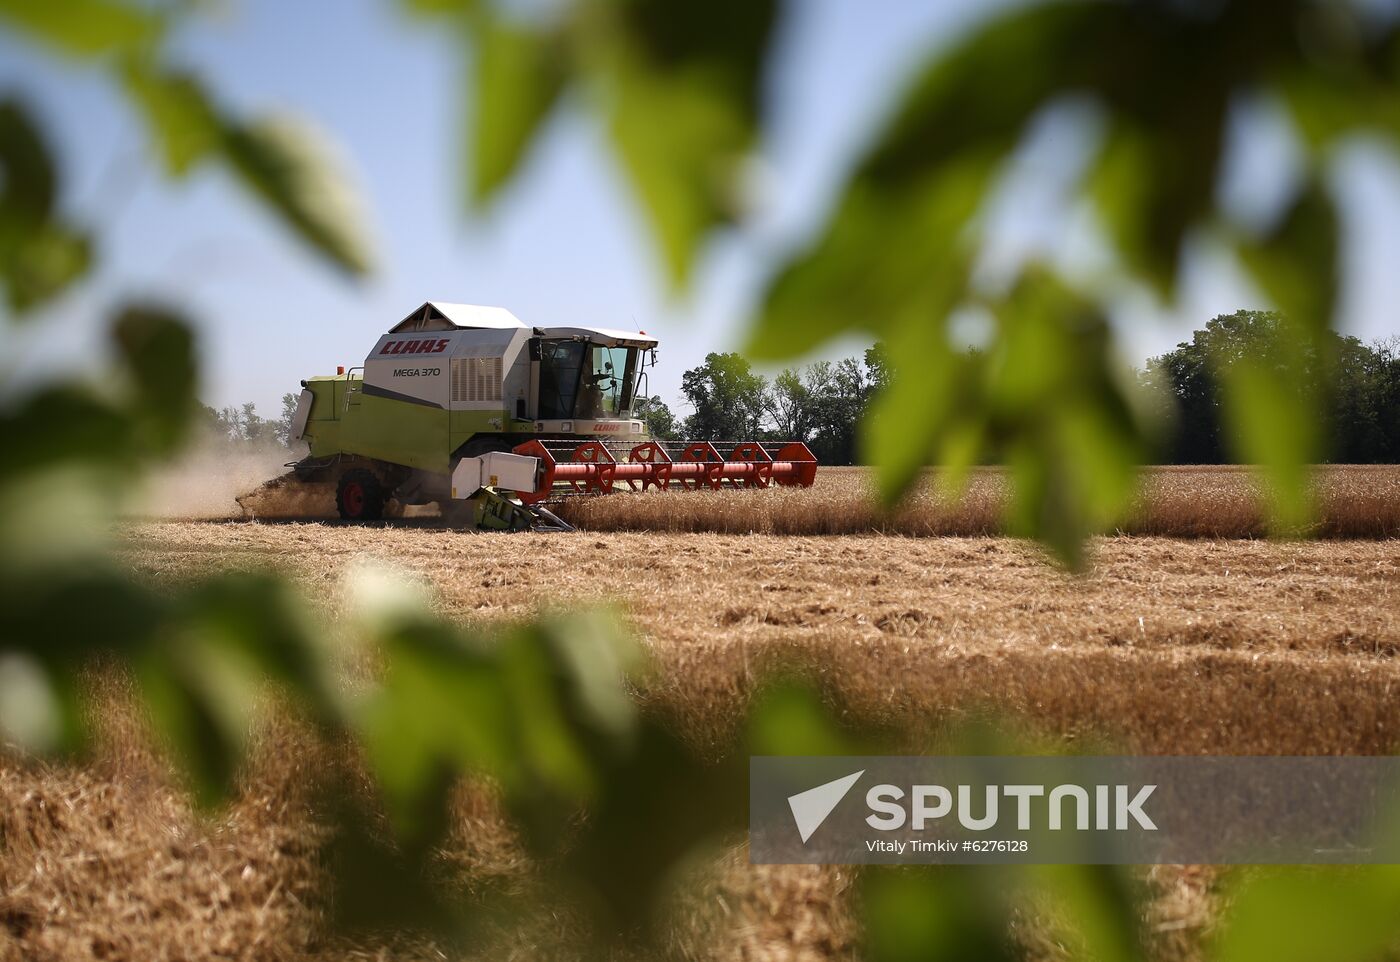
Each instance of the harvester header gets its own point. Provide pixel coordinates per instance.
(470, 407)
(592, 469)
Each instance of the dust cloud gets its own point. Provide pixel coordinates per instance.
(219, 481)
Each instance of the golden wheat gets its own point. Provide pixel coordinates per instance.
(1167, 645)
(1353, 501)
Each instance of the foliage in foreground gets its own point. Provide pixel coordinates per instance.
(549, 716)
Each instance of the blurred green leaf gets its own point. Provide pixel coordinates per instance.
(899, 241)
(908, 422)
(1274, 396)
(682, 91)
(61, 424)
(788, 718)
(1297, 262)
(1100, 903)
(1061, 416)
(202, 658)
(83, 28)
(30, 184)
(39, 255)
(381, 883)
(50, 259)
(279, 160)
(158, 350)
(1272, 422)
(551, 753)
(656, 804)
(282, 162)
(61, 618)
(1311, 915)
(1152, 183)
(894, 256)
(519, 75)
(257, 616)
(438, 709)
(1346, 79)
(1044, 396)
(437, 8)
(1272, 373)
(927, 914)
(536, 709)
(593, 653)
(183, 123)
(201, 697)
(677, 87)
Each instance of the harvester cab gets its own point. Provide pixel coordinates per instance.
(459, 402)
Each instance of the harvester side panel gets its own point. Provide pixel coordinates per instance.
(474, 370)
(345, 420)
(322, 431)
(465, 425)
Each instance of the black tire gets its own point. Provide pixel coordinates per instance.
(360, 496)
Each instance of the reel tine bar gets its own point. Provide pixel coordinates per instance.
(593, 469)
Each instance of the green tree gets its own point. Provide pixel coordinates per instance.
(284, 423)
(840, 393)
(727, 398)
(1342, 377)
(877, 366)
(1384, 397)
(660, 420)
(788, 406)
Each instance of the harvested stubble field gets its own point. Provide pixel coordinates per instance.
(1168, 646)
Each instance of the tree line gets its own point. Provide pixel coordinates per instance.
(1354, 386)
(823, 404)
(243, 427)
(1357, 385)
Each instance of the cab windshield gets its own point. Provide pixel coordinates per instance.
(609, 375)
(583, 380)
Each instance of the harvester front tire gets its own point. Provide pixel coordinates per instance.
(360, 496)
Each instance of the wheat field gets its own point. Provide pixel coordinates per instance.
(1352, 501)
(1168, 645)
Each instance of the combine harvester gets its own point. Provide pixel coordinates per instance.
(494, 420)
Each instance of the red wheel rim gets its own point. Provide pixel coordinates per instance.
(355, 498)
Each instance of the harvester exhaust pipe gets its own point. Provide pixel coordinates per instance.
(592, 469)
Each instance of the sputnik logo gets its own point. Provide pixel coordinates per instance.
(810, 808)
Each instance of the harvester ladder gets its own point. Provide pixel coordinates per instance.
(350, 390)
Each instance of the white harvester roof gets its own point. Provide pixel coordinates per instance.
(446, 316)
(442, 315)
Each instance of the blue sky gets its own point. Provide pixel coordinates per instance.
(566, 244)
